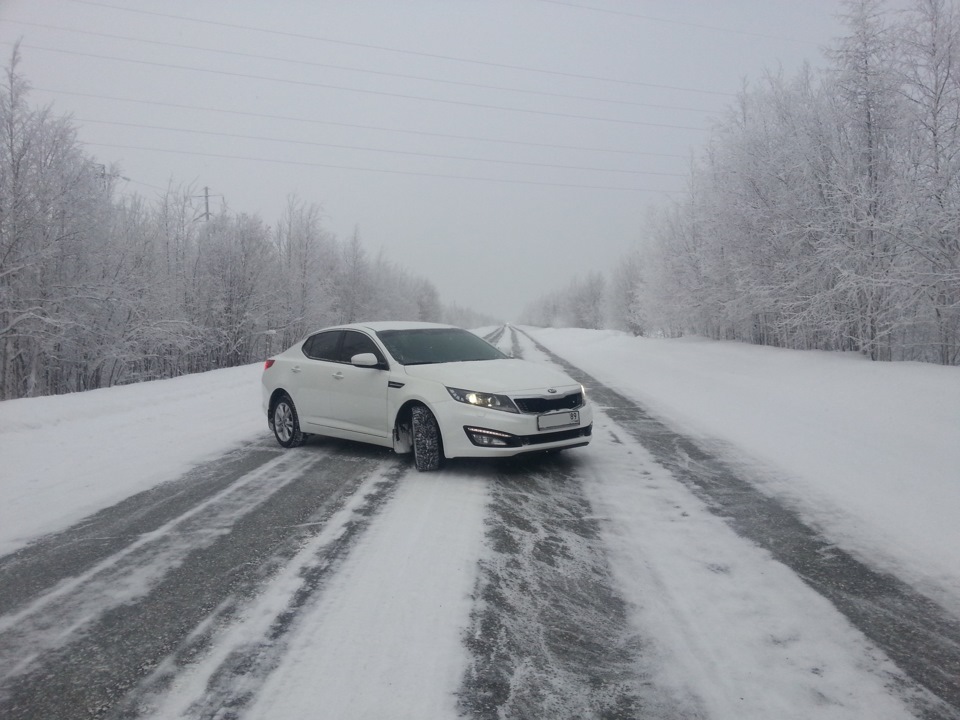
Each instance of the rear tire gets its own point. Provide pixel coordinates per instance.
(427, 443)
(286, 423)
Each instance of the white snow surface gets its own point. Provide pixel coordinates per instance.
(726, 624)
(407, 590)
(67, 456)
(868, 452)
(384, 640)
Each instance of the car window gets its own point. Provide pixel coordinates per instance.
(323, 345)
(355, 343)
(440, 345)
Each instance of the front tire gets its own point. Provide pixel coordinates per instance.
(286, 423)
(427, 443)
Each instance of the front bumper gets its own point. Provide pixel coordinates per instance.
(480, 432)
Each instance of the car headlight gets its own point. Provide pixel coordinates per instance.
(481, 399)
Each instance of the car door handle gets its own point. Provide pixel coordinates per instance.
(338, 375)
(295, 369)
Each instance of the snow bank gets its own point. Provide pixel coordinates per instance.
(67, 456)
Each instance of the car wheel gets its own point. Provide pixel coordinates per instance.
(427, 445)
(286, 424)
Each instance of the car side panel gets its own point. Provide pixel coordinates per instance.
(358, 400)
(312, 383)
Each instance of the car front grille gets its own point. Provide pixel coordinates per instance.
(537, 405)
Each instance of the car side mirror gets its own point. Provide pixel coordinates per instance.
(367, 360)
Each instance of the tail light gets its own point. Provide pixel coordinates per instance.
(268, 364)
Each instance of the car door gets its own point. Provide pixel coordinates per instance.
(315, 378)
(359, 394)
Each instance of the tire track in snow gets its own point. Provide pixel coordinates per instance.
(129, 572)
(549, 635)
(233, 676)
(185, 579)
(494, 337)
(920, 636)
(50, 560)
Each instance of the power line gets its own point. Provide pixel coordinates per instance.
(138, 182)
(443, 176)
(367, 46)
(380, 93)
(379, 150)
(379, 128)
(382, 73)
(699, 26)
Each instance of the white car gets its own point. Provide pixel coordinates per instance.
(434, 390)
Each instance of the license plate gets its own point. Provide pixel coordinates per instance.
(555, 420)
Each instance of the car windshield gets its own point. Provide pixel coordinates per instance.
(437, 345)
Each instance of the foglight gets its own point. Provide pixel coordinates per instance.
(490, 438)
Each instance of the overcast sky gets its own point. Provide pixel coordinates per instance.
(497, 147)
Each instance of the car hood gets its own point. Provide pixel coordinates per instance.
(495, 376)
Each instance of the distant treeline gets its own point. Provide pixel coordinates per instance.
(97, 289)
(824, 212)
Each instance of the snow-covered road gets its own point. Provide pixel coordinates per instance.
(644, 576)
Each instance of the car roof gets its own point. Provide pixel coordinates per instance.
(389, 325)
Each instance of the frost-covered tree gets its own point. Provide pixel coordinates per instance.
(586, 300)
(930, 80)
(52, 205)
(453, 314)
(825, 210)
(97, 289)
(355, 289)
(626, 295)
(429, 308)
(306, 279)
(861, 250)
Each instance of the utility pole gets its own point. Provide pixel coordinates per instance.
(103, 177)
(206, 203)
